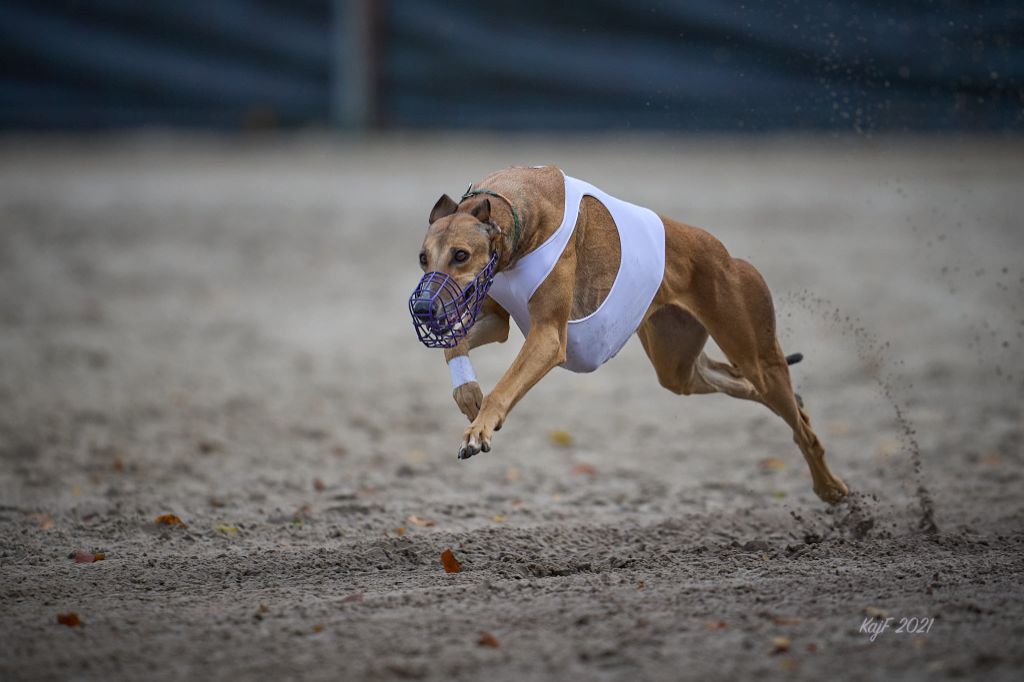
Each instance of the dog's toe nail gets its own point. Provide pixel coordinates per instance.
(485, 447)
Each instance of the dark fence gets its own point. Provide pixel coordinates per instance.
(865, 65)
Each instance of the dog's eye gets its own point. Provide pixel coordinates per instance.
(423, 259)
(461, 255)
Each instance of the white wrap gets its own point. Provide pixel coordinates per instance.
(461, 370)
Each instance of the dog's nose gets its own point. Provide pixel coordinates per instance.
(423, 306)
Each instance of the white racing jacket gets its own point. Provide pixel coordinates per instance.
(596, 338)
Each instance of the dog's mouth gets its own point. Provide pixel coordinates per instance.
(443, 311)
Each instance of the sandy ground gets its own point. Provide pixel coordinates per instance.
(217, 329)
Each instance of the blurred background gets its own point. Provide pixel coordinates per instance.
(844, 65)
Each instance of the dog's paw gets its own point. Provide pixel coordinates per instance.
(832, 491)
(477, 437)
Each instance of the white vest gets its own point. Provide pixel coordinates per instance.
(596, 338)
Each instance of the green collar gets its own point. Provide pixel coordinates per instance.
(516, 228)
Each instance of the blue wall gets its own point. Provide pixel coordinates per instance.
(702, 65)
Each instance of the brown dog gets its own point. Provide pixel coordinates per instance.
(703, 291)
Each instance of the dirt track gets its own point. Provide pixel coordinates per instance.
(218, 329)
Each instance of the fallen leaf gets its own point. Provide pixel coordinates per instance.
(70, 619)
(118, 464)
(83, 557)
(400, 531)
(561, 438)
(717, 625)
(319, 485)
(44, 520)
(264, 608)
(780, 645)
(487, 639)
(226, 529)
(584, 469)
(779, 494)
(417, 521)
(785, 620)
(450, 563)
(771, 464)
(169, 520)
(319, 627)
(641, 585)
(498, 518)
(874, 612)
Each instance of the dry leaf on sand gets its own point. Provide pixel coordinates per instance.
(83, 557)
(169, 520)
(487, 639)
(44, 520)
(584, 469)
(450, 563)
(417, 521)
(70, 619)
(561, 437)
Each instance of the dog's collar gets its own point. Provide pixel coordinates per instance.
(516, 227)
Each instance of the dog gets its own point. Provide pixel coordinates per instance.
(580, 272)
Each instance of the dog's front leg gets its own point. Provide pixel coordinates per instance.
(544, 349)
(491, 327)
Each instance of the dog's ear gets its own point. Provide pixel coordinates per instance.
(481, 210)
(445, 206)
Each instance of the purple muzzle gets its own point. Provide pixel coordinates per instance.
(442, 312)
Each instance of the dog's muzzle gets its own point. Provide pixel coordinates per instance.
(442, 312)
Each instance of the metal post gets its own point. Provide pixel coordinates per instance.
(352, 77)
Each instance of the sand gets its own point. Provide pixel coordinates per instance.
(216, 329)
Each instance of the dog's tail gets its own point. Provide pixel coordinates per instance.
(794, 358)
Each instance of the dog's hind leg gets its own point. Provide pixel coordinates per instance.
(741, 319)
(674, 340)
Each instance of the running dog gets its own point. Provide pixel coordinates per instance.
(580, 272)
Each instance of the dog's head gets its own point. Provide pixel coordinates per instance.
(459, 242)
(459, 260)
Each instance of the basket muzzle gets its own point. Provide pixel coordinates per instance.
(442, 311)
